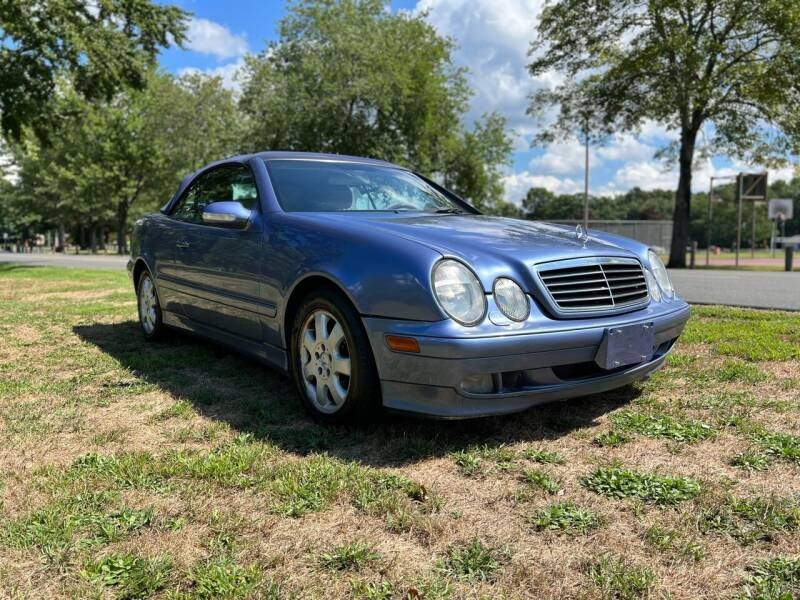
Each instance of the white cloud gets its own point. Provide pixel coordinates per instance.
(493, 38)
(625, 147)
(227, 72)
(563, 158)
(208, 37)
(518, 184)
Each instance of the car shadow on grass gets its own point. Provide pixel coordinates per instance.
(223, 385)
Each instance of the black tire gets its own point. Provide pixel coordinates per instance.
(363, 399)
(156, 331)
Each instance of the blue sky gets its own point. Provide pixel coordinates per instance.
(492, 38)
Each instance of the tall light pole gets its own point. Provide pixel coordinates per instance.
(586, 177)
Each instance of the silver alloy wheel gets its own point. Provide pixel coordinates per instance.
(325, 361)
(147, 304)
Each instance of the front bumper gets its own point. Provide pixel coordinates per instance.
(555, 362)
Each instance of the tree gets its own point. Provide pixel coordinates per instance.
(350, 77)
(103, 45)
(472, 162)
(129, 154)
(730, 64)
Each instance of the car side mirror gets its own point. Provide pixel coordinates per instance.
(226, 213)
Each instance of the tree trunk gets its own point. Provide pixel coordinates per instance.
(122, 220)
(62, 237)
(93, 239)
(683, 199)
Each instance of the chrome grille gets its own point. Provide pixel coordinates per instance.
(594, 285)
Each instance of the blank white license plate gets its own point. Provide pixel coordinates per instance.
(626, 345)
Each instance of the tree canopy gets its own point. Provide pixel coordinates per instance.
(102, 45)
(350, 77)
(131, 151)
(730, 65)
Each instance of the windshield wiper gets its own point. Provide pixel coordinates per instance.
(449, 211)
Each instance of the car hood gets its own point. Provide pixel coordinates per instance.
(491, 245)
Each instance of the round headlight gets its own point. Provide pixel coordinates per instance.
(510, 299)
(661, 275)
(459, 292)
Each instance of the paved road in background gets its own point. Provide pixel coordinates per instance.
(82, 261)
(756, 289)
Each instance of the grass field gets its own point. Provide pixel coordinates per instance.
(180, 470)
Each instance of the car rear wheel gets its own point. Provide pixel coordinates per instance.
(149, 307)
(331, 361)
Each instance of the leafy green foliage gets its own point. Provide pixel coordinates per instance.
(473, 560)
(782, 446)
(129, 575)
(616, 482)
(352, 556)
(469, 463)
(109, 158)
(612, 439)
(669, 540)
(683, 66)
(371, 590)
(102, 47)
(773, 579)
(542, 456)
(353, 78)
(539, 479)
(619, 579)
(662, 426)
(223, 578)
(750, 461)
(750, 520)
(566, 517)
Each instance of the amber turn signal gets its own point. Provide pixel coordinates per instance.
(400, 343)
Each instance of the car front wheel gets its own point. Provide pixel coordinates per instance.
(331, 361)
(149, 307)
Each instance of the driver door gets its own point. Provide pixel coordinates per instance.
(218, 269)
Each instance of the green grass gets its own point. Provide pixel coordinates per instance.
(543, 456)
(753, 519)
(752, 335)
(616, 482)
(616, 578)
(782, 446)
(612, 439)
(540, 480)
(670, 541)
(349, 557)
(129, 575)
(181, 470)
(773, 579)
(657, 425)
(751, 461)
(565, 518)
(472, 561)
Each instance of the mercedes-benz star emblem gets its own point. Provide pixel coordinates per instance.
(581, 234)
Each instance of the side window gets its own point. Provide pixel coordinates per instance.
(231, 183)
(186, 207)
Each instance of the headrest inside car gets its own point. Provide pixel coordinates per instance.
(333, 197)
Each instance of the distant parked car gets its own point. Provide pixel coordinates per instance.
(373, 286)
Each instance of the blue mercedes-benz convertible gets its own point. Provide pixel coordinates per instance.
(373, 286)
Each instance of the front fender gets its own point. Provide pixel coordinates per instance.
(384, 276)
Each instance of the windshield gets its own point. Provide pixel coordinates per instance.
(318, 186)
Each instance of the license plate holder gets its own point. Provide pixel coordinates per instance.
(626, 345)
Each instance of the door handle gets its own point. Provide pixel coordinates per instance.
(182, 245)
